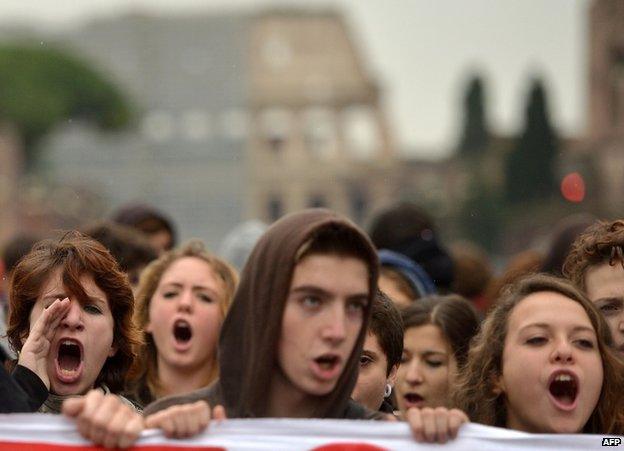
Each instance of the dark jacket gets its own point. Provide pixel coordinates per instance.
(21, 391)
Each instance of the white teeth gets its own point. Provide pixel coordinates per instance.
(67, 342)
(563, 378)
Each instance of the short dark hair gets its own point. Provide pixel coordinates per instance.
(146, 219)
(386, 324)
(129, 246)
(454, 315)
(16, 247)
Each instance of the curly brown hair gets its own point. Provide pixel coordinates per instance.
(602, 242)
(475, 393)
(145, 385)
(76, 255)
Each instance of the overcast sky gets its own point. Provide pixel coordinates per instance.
(421, 51)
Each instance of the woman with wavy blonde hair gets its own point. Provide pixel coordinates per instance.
(182, 299)
(543, 362)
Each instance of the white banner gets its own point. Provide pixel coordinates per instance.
(39, 432)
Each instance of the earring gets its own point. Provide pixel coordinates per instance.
(388, 390)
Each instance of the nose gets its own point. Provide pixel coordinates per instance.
(335, 329)
(185, 301)
(73, 319)
(562, 352)
(414, 376)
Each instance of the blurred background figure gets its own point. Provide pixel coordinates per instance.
(12, 251)
(158, 228)
(239, 242)
(565, 233)
(131, 248)
(403, 280)
(409, 230)
(519, 265)
(473, 274)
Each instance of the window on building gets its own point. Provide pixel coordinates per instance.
(317, 201)
(234, 123)
(319, 132)
(276, 124)
(362, 134)
(274, 208)
(195, 125)
(157, 126)
(358, 201)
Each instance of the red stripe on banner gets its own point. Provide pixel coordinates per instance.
(349, 447)
(23, 446)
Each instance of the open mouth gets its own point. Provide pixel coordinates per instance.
(69, 356)
(563, 388)
(413, 398)
(327, 362)
(182, 331)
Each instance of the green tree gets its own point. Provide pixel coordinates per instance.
(475, 135)
(530, 166)
(41, 87)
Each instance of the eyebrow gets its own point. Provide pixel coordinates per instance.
(618, 299)
(549, 326)
(53, 297)
(312, 289)
(194, 287)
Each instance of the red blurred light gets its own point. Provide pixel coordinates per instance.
(573, 187)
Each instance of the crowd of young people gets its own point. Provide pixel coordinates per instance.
(306, 333)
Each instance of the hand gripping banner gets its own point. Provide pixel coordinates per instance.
(39, 432)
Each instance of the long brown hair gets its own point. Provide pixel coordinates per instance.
(146, 384)
(452, 314)
(476, 394)
(76, 255)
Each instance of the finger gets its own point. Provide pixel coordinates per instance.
(441, 419)
(89, 403)
(115, 427)
(414, 417)
(456, 419)
(182, 421)
(132, 431)
(218, 413)
(72, 407)
(429, 424)
(52, 317)
(101, 417)
(161, 420)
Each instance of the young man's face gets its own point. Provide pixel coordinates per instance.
(373, 378)
(323, 316)
(605, 288)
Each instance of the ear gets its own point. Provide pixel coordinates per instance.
(392, 377)
(498, 384)
(148, 327)
(113, 350)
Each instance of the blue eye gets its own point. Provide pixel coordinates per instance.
(311, 301)
(357, 306)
